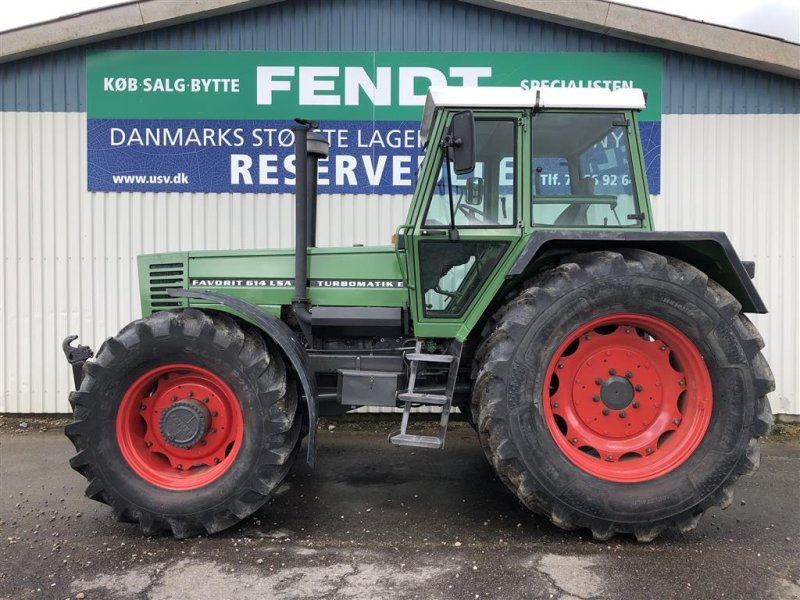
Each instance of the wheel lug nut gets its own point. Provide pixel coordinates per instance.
(682, 382)
(203, 442)
(649, 450)
(606, 412)
(676, 421)
(622, 414)
(174, 399)
(662, 347)
(213, 430)
(190, 394)
(628, 374)
(214, 413)
(587, 337)
(612, 372)
(148, 443)
(638, 387)
(609, 457)
(555, 404)
(205, 400)
(216, 461)
(574, 440)
(179, 467)
(635, 405)
(595, 398)
(142, 406)
(560, 365)
(627, 330)
(598, 381)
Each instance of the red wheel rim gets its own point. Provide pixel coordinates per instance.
(627, 397)
(152, 453)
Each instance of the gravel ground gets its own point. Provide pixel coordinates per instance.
(373, 521)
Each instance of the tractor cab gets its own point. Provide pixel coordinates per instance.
(502, 163)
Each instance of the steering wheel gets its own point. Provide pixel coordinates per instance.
(471, 213)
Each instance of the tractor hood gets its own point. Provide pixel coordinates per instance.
(352, 276)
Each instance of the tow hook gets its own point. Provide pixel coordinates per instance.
(76, 356)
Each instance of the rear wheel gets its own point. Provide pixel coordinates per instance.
(185, 422)
(622, 392)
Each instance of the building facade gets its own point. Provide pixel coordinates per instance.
(728, 160)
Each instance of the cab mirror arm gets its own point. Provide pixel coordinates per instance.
(460, 140)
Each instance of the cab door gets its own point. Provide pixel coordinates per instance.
(455, 279)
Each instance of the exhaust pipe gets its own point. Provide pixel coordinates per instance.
(309, 147)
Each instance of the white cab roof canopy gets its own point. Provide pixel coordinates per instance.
(515, 97)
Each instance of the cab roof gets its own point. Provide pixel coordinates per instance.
(516, 97)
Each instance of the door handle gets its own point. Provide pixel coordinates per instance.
(434, 232)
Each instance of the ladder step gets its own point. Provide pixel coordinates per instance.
(439, 358)
(432, 399)
(417, 441)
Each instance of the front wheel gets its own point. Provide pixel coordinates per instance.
(185, 421)
(622, 392)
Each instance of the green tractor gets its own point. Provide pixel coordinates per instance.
(612, 377)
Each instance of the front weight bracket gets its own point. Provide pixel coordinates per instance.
(76, 356)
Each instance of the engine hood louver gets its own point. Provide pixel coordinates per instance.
(164, 277)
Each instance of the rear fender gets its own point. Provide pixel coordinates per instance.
(283, 337)
(709, 251)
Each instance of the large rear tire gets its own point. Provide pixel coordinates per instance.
(622, 392)
(185, 421)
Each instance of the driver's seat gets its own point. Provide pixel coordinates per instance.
(575, 215)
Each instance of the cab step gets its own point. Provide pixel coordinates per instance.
(417, 441)
(434, 358)
(418, 398)
(410, 398)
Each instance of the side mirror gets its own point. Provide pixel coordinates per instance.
(475, 188)
(463, 136)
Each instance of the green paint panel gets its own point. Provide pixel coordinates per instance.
(338, 276)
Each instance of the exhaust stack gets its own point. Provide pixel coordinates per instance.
(309, 147)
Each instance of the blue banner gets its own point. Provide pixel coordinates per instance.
(205, 155)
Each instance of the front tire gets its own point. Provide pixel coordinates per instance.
(622, 392)
(184, 422)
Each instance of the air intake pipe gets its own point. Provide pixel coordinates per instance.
(309, 147)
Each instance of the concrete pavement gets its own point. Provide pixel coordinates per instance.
(376, 521)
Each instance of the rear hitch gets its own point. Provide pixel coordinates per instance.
(76, 356)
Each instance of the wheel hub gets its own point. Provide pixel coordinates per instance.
(616, 393)
(184, 423)
(179, 426)
(625, 388)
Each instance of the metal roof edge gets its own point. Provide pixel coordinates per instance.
(600, 16)
(112, 22)
(662, 30)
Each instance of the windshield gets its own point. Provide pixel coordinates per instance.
(582, 174)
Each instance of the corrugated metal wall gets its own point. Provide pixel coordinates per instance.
(69, 255)
(739, 174)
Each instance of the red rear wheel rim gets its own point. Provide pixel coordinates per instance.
(627, 397)
(152, 454)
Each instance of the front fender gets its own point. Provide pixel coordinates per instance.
(283, 337)
(709, 251)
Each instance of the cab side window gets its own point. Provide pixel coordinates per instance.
(582, 173)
